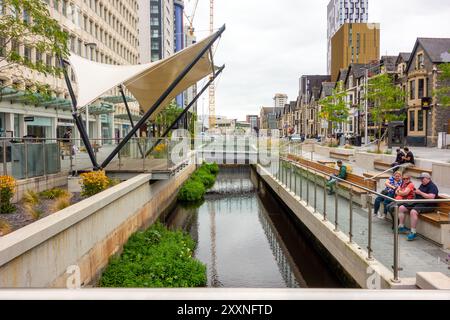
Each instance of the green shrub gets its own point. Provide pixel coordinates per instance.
(192, 190)
(156, 258)
(213, 168)
(201, 180)
(205, 177)
(7, 190)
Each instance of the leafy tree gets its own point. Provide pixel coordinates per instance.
(387, 100)
(28, 23)
(334, 108)
(443, 93)
(167, 116)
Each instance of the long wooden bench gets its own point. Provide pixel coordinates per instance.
(325, 162)
(412, 170)
(328, 171)
(441, 214)
(340, 156)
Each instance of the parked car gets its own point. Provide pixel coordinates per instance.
(296, 138)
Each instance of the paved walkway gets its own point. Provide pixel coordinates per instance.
(415, 256)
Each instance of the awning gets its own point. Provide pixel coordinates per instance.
(146, 82)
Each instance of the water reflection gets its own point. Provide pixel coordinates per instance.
(238, 240)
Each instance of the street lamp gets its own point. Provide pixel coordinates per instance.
(91, 46)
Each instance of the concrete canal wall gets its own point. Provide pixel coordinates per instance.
(351, 258)
(84, 236)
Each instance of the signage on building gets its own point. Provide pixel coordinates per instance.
(426, 102)
(28, 119)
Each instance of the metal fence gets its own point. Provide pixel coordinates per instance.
(356, 220)
(32, 157)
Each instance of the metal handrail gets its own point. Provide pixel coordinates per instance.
(397, 203)
(367, 189)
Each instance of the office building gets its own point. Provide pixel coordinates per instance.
(100, 30)
(354, 43)
(340, 12)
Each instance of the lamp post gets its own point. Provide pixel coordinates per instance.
(366, 102)
(91, 46)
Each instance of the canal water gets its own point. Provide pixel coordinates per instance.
(247, 240)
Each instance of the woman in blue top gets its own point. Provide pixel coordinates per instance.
(391, 184)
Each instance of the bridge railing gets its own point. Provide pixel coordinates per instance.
(30, 157)
(345, 214)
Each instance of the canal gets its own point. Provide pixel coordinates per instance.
(248, 240)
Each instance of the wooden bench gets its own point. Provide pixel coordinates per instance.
(340, 156)
(412, 170)
(325, 162)
(376, 176)
(440, 216)
(327, 171)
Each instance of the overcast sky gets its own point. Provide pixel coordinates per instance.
(269, 44)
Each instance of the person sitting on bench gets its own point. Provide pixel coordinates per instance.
(427, 190)
(408, 157)
(405, 192)
(341, 175)
(398, 160)
(391, 184)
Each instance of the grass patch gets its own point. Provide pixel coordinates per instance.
(61, 203)
(156, 258)
(201, 180)
(5, 227)
(53, 193)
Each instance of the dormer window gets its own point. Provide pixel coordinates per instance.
(420, 61)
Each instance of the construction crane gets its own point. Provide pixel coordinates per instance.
(190, 18)
(212, 89)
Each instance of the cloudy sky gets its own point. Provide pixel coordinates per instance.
(269, 44)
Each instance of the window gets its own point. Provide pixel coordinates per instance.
(412, 90)
(420, 124)
(422, 88)
(38, 56)
(420, 61)
(27, 53)
(412, 120)
(48, 60)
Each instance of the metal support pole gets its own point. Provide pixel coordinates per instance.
(5, 165)
(26, 157)
(369, 235)
(350, 227)
(336, 202)
(166, 93)
(295, 181)
(396, 247)
(325, 201)
(301, 183)
(307, 186)
(77, 117)
(290, 177)
(315, 192)
(130, 117)
(71, 145)
(43, 158)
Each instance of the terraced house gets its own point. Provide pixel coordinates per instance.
(426, 116)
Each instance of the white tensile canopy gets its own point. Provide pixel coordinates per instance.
(147, 82)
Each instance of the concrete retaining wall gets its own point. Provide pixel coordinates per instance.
(350, 256)
(85, 234)
(441, 174)
(39, 184)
